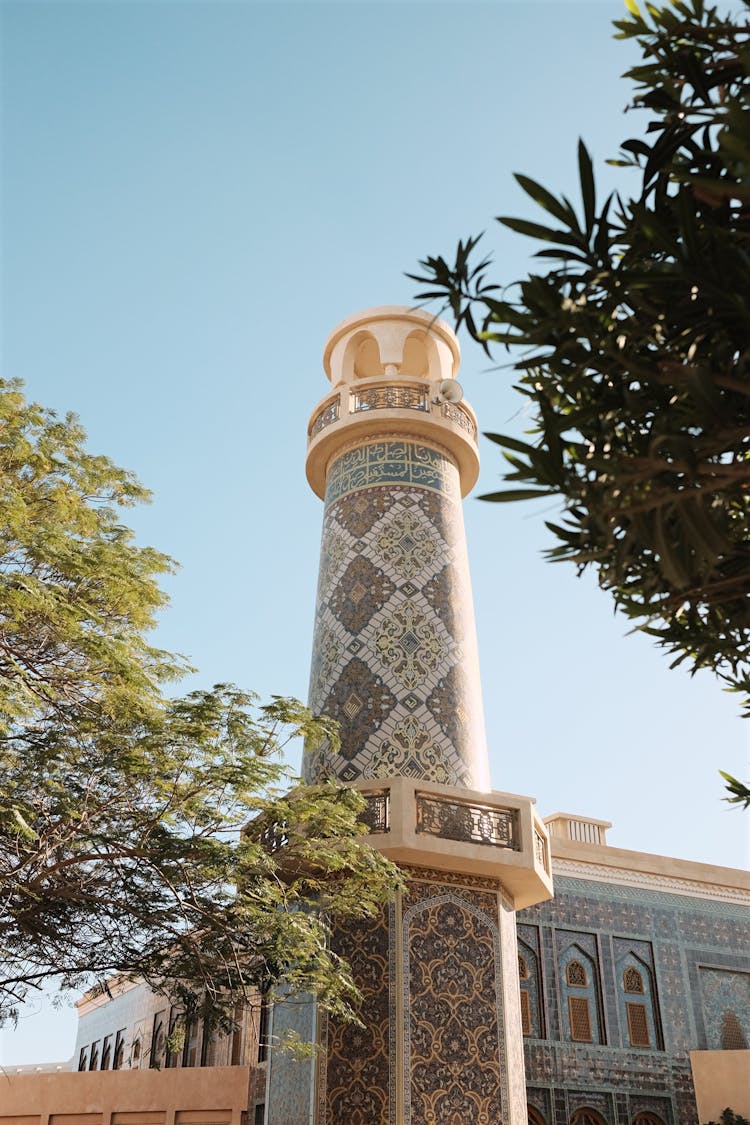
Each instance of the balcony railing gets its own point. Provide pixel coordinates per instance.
(327, 414)
(458, 415)
(468, 823)
(540, 848)
(390, 396)
(377, 811)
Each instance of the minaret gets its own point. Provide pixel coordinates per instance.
(392, 449)
(394, 652)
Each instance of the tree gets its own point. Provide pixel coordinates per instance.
(633, 348)
(121, 810)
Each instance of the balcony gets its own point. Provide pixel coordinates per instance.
(380, 407)
(495, 835)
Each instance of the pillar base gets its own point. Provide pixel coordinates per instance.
(438, 969)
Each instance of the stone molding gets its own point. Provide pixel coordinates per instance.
(692, 888)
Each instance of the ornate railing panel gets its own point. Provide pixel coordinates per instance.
(377, 811)
(458, 415)
(540, 847)
(467, 823)
(383, 398)
(327, 414)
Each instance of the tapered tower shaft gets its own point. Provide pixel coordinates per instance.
(394, 650)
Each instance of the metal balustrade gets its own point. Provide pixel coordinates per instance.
(468, 823)
(390, 396)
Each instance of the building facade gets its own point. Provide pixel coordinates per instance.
(638, 961)
(487, 1001)
(634, 1001)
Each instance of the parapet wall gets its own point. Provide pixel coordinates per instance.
(211, 1096)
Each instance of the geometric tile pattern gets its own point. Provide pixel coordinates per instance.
(394, 649)
(693, 954)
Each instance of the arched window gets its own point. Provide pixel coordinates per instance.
(632, 981)
(648, 1119)
(575, 974)
(587, 1116)
(580, 994)
(136, 1056)
(532, 1017)
(157, 1041)
(106, 1053)
(119, 1054)
(732, 1038)
(637, 999)
(535, 1117)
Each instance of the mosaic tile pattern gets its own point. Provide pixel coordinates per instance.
(437, 974)
(394, 651)
(453, 1008)
(514, 1057)
(378, 462)
(527, 948)
(674, 940)
(357, 1073)
(725, 997)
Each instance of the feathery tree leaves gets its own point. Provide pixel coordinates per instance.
(633, 348)
(122, 812)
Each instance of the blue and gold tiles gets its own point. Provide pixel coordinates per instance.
(394, 651)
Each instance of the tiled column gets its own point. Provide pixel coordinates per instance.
(392, 450)
(394, 653)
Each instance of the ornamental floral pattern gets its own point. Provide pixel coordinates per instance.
(357, 1072)
(409, 645)
(408, 542)
(455, 1056)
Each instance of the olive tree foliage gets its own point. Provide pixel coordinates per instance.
(632, 344)
(122, 810)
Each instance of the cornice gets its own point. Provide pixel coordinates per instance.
(651, 881)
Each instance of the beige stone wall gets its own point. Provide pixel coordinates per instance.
(722, 1080)
(208, 1096)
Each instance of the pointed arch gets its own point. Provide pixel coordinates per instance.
(587, 1116)
(575, 974)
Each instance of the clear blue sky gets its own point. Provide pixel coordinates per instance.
(194, 194)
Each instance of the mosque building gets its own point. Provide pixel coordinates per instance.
(530, 973)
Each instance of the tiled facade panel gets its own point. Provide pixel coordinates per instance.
(394, 650)
(725, 1005)
(356, 1082)
(455, 1057)
(693, 957)
(434, 972)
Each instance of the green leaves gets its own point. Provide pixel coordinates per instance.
(588, 189)
(121, 810)
(513, 494)
(630, 347)
(739, 793)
